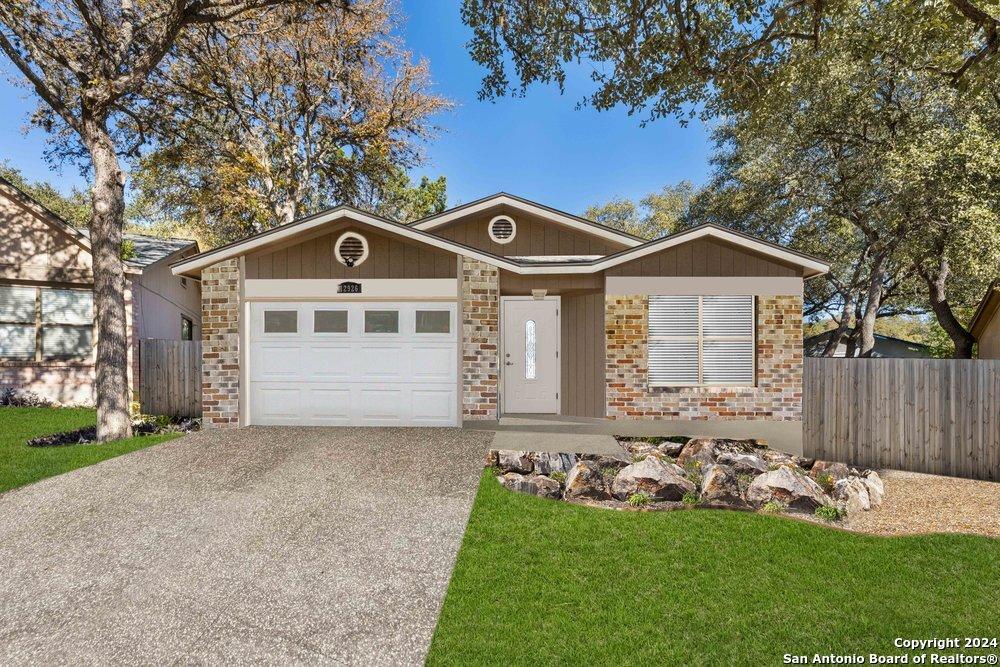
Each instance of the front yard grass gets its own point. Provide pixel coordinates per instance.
(546, 582)
(20, 464)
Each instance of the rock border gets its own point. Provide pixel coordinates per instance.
(652, 474)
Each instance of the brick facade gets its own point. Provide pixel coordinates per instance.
(777, 396)
(480, 289)
(220, 372)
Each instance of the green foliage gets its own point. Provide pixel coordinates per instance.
(636, 458)
(559, 476)
(772, 507)
(496, 471)
(609, 472)
(828, 512)
(128, 250)
(658, 214)
(690, 499)
(826, 481)
(403, 201)
(639, 499)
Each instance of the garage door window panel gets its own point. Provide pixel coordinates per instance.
(433, 322)
(382, 321)
(330, 321)
(281, 321)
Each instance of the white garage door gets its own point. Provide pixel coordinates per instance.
(367, 364)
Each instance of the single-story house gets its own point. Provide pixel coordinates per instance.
(498, 307)
(985, 326)
(47, 341)
(886, 347)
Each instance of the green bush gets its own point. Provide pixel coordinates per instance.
(639, 499)
(559, 476)
(826, 481)
(772, 507)
(828, 512)
(690, 499)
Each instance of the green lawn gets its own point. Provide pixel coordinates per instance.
(20, 464)
(544, 582)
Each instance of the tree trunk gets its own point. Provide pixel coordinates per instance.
(937, 291)
(838, 334)
(106, 223)
(873, 301)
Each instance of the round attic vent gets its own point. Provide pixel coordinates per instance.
(351, 249)
(502, 229)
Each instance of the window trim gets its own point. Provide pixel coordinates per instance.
(700, 338)
(39, 325)
(332, 334)
(399, 322)
(286, 334)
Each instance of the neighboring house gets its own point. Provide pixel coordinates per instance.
(498, 307)
(985, 325)
(46, 299)
(885, 347)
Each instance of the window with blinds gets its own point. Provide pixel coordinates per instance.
(701, 340)
(42, 323)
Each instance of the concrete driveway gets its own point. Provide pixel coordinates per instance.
(262, 545)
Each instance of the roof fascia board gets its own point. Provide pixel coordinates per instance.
(561, 218)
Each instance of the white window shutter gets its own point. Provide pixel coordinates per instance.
(728, 340)
(17, 303)
(67, 306)
(675, 316)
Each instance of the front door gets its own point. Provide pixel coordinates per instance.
(530, 330)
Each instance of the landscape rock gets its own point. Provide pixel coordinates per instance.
(852, 492)
(787, 485)
(721, 487)
(836, 471)
(492, 459)
(536, 485)
(776, 458)
(750, 464)
(659, 480)
(876, 487)
(547, 463)
(671, 449)
(585, 481)
(698, 449)
(511, 461)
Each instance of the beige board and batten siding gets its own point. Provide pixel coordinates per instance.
(705, 257)
(533, 236)
(389, 256)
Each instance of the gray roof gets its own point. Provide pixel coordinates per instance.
(151, 249)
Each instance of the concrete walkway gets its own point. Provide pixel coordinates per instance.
(269, 545)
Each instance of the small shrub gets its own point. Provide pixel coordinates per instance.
(609, 472)
(690, 499)
(19, 398)
(692, 466)
(496, 471)
(639, 499)
(773, 466)
(828, 512)
(826, 481)
(559, 476)
(636, 458)
(744, 479)
(772, 507)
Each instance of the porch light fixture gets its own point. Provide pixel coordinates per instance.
(539, 293)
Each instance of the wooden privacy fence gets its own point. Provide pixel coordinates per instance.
(170, 377)
(927, 415)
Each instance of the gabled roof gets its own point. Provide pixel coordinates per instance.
(148, 249)
(986, 311)
(191, 265)
(519, 203)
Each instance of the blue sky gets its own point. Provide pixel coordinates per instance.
(540, 147)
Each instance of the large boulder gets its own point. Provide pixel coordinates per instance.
(852, 492)
(698, 449)
(547, 463)
(789, 486)
(512, 461)
(720, 487)
(536, 485)
(836, 471)
(671, 449)
(659, 480)
(585, 481)
(876, 487)
(749, 464)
